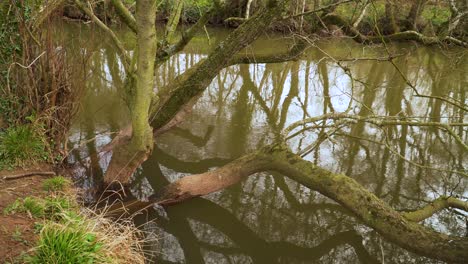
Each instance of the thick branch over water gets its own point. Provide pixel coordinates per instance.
(400, 228)
(196, 80)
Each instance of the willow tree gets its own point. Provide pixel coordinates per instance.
(164, 109)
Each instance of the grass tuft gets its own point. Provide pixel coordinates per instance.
(86, 237)
(34, 206)
(20, 146)
(69, 243)
(55, 184)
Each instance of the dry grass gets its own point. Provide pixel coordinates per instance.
(71, 233)
(121, 241)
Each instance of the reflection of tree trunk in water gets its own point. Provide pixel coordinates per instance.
(327, 106)
(438, 88)
(461, 114)
(114, 68)
(383, 171)
(400, 168)
(376, 77)
(395, 88)
(241, 116)
(393, 107)
(278, 79)
(293, 92)
(179, 226)
(237, 134)
(323, 72)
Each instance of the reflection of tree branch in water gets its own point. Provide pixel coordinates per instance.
(200, 166)
(195, 140)
(248, 242)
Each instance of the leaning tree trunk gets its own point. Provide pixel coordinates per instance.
(126, 158)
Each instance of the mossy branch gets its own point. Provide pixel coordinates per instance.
(44, 13)
(333, 19)
(196, 80)
(401, 228)
(125, 14)
(435, 206)
(166, 51)
(115, 39)
(293, 54)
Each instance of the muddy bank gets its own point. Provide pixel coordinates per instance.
(17, 234)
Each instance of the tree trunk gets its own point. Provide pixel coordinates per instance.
(415, 12)
(142, 137)
(390, 14)
(173, 20)
(400, 228)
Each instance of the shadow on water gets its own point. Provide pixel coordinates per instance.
(269, 218)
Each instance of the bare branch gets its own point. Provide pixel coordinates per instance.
(115, 39)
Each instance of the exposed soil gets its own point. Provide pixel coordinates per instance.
(17, 230)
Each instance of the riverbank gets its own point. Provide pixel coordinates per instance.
(42, 222)
(17, 233)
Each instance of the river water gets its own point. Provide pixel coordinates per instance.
(269, 218)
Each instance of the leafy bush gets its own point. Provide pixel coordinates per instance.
(20, 146)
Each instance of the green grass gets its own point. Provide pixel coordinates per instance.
(34, 206)
(71, 234)
(49, 208)
(66, 244)
(20, 146)
(15, 207)
(55, 184)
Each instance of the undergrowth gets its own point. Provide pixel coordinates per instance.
(22, 145)
(69, 233)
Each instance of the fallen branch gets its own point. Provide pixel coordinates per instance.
(28, 174)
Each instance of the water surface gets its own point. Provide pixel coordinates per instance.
(269, 218)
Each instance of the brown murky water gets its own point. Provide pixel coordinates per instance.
(268, 218)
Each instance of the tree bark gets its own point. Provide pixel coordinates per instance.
(142, 138)
(196, 79)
